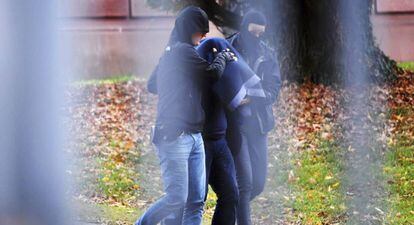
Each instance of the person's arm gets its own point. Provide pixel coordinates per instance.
(272, 83)
(152, 82)
(192, 60)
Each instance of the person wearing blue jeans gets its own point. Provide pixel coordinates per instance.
(183, 173)
(221, 175)
(177, 80)
(220, 169)
(221, 102)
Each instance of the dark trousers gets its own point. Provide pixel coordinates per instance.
(221, 176)
(251, 169)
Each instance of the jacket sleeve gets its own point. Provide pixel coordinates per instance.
(152, 82)
(192, 60)
(271, 82)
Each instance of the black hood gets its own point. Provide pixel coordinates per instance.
(251, 43)
(189, 21)
(252, 16)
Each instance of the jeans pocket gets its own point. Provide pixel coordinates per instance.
(175, 141)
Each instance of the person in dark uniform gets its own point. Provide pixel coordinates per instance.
(222, 100)
(221, 96)
(180, 118)
(220, 170)
(250, 154)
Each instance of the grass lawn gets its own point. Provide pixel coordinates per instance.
(407, 65)
(308, 188)
(107, 80)
(114, 215)
(400, 168)
(400, 159)
(105, 214)
(317, 184)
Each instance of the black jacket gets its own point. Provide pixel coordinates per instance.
(216, 122)
(261, 60)
(178, 76)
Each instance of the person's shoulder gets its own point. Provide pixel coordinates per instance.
(268, 51)
(232, 38)
(182, 45)
(182, 48)
(175, 46)
(266, 48)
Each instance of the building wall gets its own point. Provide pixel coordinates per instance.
(114, 37)
(115, 47)
(118, 37)
(393, 24)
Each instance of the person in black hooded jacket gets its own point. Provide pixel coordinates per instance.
(248, 140)
(177, 80)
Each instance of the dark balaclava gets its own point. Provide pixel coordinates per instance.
(189, 21)
(249, 41)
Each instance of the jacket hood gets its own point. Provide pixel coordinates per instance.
(252, 16)
(189, 21)
(251, 43)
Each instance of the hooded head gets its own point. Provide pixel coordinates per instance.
(238, 79)
(252, 26)
(190, 20)
(252, 17)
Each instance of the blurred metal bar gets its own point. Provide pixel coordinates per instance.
(31, 158)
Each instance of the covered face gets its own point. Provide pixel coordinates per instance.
(253, 24)
(191, 23)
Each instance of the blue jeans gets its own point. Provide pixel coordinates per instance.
(183, 172)
(221, 175)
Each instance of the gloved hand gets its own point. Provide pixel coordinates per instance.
(219, 63)
(227, 54)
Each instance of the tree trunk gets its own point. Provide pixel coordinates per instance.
(324, 41)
